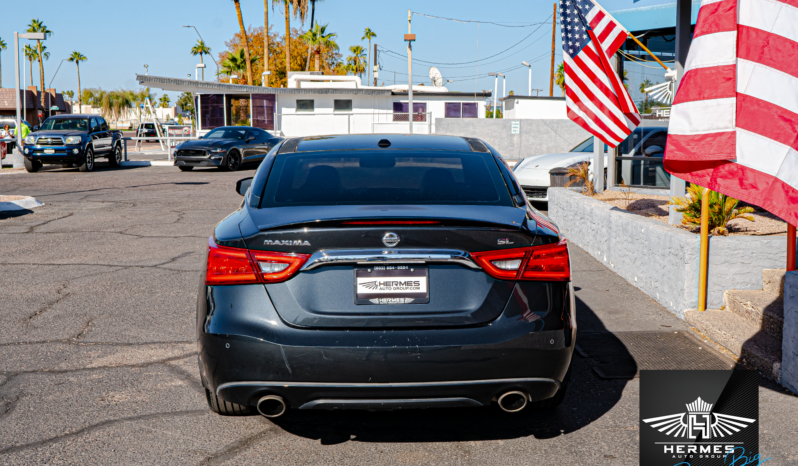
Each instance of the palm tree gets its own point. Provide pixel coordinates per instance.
(301, 9)
(201, 49)
(559, 77)
(164, 100)
(31, 54)
(317, 39)
(37, 25)
(246, 40)
(236, 62)
(368, 34)
(76, 58)
(645, 84)
(312, 25)
(356, 61)
(3, 46)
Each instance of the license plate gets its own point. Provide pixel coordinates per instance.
(392, 284)
(49, 151)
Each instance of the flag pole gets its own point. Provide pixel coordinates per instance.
(790, 248)
(648, 51)
(703, 261)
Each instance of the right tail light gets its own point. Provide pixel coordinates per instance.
(549, 262)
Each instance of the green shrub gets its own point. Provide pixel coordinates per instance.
(722, 210)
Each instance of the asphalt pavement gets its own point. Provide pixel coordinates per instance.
(98, 356)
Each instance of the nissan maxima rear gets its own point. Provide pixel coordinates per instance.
(384, 272)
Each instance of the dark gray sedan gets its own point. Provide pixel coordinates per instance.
(228, 147)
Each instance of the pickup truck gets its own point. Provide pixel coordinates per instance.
(72, 141)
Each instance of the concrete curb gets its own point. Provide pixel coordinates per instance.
(148, 163)
(20, 204)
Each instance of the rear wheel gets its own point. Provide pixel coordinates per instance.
(116, 157)
(225, 408)
(32, 165)
(88, 161)
(185, 169)
(233, 161)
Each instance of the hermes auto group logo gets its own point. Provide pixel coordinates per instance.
(699, 422)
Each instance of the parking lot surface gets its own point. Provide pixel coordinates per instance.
(98, 356)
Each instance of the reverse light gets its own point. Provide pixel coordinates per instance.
(274, 267)
(502, 264)
(238, 266)
(548, 262)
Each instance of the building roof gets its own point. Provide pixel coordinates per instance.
(648, 18)
(530, 97)
(212, 87)
(420, 94)
(8, 102)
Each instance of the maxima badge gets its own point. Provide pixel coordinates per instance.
(390, 239)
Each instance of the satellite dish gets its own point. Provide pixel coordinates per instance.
(435, 76)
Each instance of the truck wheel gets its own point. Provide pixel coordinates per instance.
(116, 156)
(88, 161)
(32, 165)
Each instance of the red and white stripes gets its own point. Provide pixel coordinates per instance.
(734, 123)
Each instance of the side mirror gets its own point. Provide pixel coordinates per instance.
(251, 138)
(36, 128)
(651, 150)
(243, 185)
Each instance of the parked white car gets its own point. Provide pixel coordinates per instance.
(533, 172)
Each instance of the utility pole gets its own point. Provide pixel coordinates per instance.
(537, 92)
(410, 38)
(528, 65)
(553, 36)
(504, 92)
(375, 65)
(495, 91)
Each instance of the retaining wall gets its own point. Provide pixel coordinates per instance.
(534, 137)
(660, 260)
(789, 348)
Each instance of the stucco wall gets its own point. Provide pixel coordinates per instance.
(789, 349)
(535, 136)
(659, 259)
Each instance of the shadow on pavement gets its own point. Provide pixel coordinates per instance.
(588, 399)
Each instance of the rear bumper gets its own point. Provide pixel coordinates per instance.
(198, 161)
(247, 351)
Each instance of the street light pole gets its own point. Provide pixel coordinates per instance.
(410, 38)
(495, 90)
(504, 91)
(17, 36)
(530, 76)
(50, 86)
(196, 71)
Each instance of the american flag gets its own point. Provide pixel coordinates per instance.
(594, 94)
(734, 122)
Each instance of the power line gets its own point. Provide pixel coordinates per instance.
(480, 22)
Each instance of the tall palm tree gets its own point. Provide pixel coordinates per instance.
(317, 39)
(236, 62)
(266, 65)
(357, 60)
(76, 58)
(301, 9)
(30, 53)
(3, 46)
(559, 77)
(368, 34)
(201, 49)
(246, 40)
(312, 25)
(37, 25)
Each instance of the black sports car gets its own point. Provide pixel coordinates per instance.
(384, 272)
(230, 147)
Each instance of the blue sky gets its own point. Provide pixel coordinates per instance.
(120, 37)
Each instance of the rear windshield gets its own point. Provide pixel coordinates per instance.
(79, 124)
(371, 177)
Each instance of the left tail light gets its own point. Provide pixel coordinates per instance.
(238, 266)
(548, 262)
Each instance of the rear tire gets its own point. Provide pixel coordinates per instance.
(88, 161)
(185, 169)
(115, 158)
(225, 408)
(32, 165)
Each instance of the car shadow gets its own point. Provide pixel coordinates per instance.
(588, 399)
(6, 214)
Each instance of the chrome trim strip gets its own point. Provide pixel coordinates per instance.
(381, 385)
(319, 404)
(390, 256)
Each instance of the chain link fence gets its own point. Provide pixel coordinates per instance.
(325, 124)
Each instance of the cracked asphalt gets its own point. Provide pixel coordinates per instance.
(98, 359)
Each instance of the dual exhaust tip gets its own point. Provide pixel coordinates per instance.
(273, 406)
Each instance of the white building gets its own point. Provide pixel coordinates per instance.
(316, 105)
(518, 107)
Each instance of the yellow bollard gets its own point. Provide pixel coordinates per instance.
(703, 263)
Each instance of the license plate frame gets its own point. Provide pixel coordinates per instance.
(413, 284)
(49, 151)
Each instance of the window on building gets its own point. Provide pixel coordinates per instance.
(263, 111)
(342, 105)
(305, 106)
(211, 110)
(400, 111)
(460, 110)
(470, 110)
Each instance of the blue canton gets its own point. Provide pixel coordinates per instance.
(574, 26)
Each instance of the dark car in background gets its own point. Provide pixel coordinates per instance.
(384, 272)
(228, 147)
(72, 140)
(150, 130)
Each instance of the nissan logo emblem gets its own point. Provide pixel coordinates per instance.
(390, 239)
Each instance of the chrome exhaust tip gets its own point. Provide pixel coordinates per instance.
(271, 406)
(512, 402)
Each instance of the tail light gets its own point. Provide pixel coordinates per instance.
(549, 262)
(237, 266)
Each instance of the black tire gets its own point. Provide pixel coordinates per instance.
(32, 165)
(233, 162)
(88, 161)
(185, 169)
(226, 408)
(554, 401)
(115, 157)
